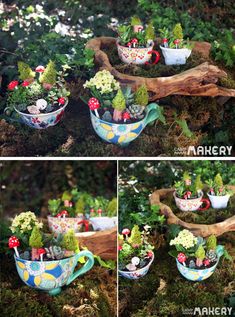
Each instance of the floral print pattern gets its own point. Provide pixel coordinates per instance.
(134, 55)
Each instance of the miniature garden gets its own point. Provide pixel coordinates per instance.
(176, 253)
(60, 259)
(102, 81)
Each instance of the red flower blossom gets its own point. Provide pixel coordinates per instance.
(61, 101)
(25, 83)
(13, 84)
(119, 248)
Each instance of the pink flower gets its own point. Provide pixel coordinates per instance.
(13, 84)
(25, 83)
(40, 69)
(119, 248)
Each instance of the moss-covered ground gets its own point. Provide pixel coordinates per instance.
(163, 292)
(91, 295)
(74, 135)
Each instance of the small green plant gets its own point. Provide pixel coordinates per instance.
(134, 251)
(135, 20)
(200, 255)
(150, 32)
(119, 102)
(174, 38)
(186, 189)
(217, 188)
(211, 242)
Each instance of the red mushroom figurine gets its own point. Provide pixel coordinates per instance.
(13, 243)
(92, 210)
(134, 42)
(176, 42)
(125, 232)
(64, 213)
(181, 258)
(189, 194)
(165, 42)
(129, 44)
(40, 69)
(206, 262)
(126, 116)
(212, 192)
(99, 212)
(41, 251)
(94, 104)
(58, 215)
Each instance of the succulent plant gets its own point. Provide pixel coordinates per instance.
(54, 252)
(25, 255)
(211, 255)
(128, 94)
(136, 111)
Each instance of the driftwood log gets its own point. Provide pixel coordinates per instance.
(197, 229)
(102, 243)
(198, 81)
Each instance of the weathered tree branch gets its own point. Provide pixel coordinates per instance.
(198, 81)
(197, 229)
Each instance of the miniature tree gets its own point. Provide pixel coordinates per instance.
(69, 241)
(135, 20)
(178, 32)
(200, 255)
(112, 207)
(198, 185)
(141, 96)
(80, 206)
(119, 104)
(218, 181)
(35, 241)
(211, 242)
(25, 72)
(149, 32)
(135, 238)
(49, 75)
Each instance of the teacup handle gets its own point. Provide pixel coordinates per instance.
(207, 202)
(157, 58)
(86, 267)
(152, 113)
(220, 250)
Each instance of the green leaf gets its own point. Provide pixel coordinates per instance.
(185, 129)
(109, 264)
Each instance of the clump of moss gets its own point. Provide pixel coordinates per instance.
(227, 82)
(141, 96)
(69, 241)
(35, 240)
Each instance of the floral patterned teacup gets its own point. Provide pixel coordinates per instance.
(199, 275)
(50, 276)
(137, 55)
(62, 225)
(123, 134)
(43, 120)
(192, 204)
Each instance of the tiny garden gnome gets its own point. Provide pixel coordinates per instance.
(13, 243)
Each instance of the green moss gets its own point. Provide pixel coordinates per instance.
(227, 82)
(141, 96)
(69, 241)
(211, 242)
